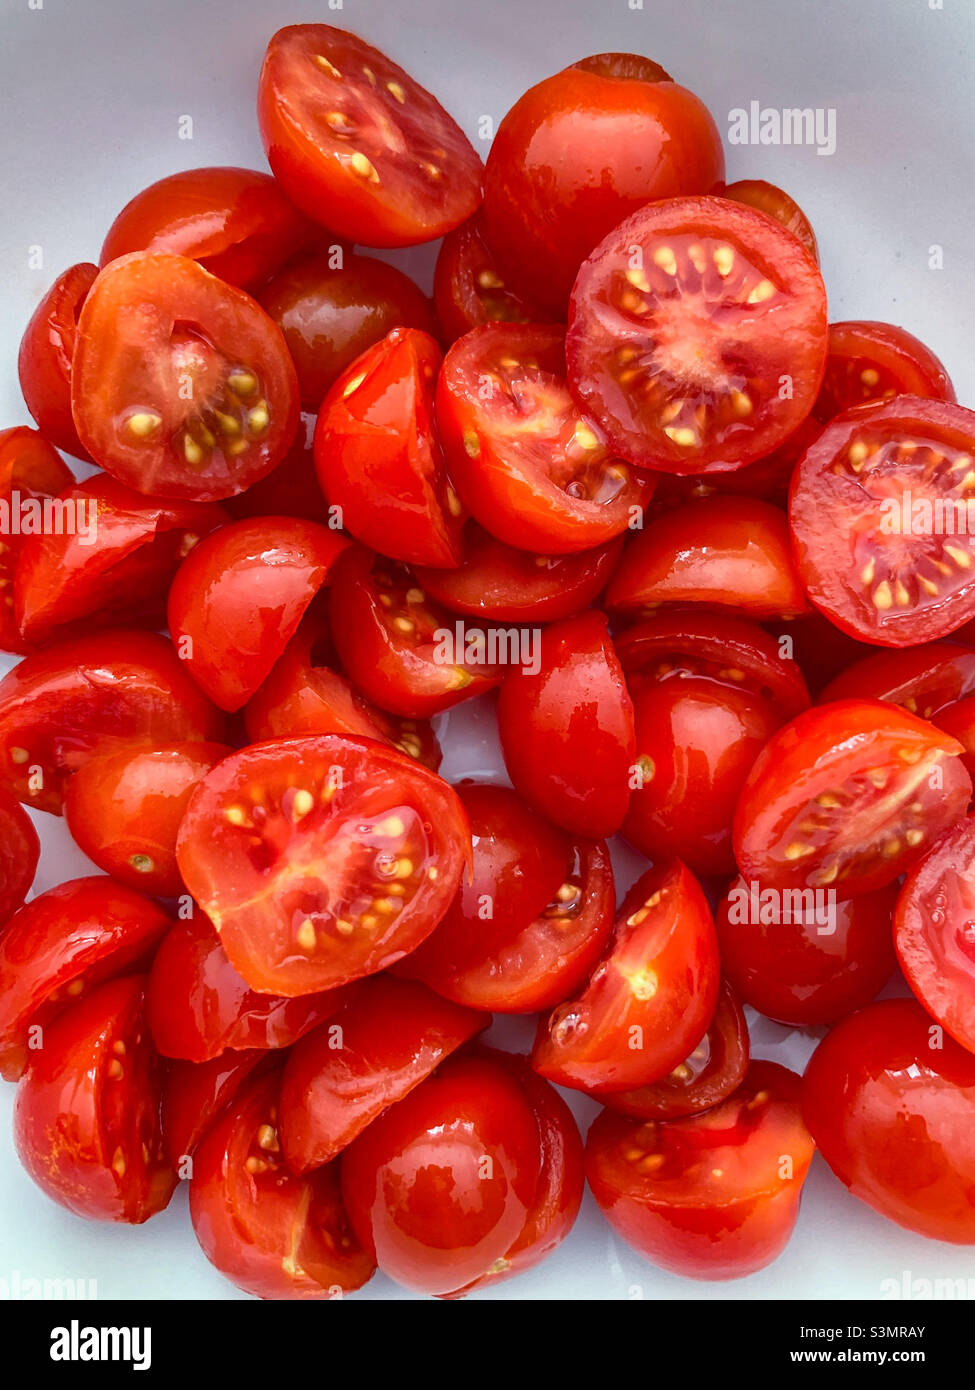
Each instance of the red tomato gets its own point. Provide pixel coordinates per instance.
(57, 947)
(389, 1037)
(768, 478)
(581, 151)
(321, 859)
(441, 1185)
(567, 728)
(90, 696)
(959, 721)
(531, 469)
(290, 490)
(236, 222)
(30, 471)
(194, 1094)
(683, 326)
(378, 456)
(20, 850)
(819, 649)
(113, 561)
(847, 797)
(181, 385)
(775, 203)
(890, 1102)
(892, 567)
(648, 1002)
(124, 809)
(237, 600)
(802, 958)
(712, 1196)
(525, 930)
(44, 361)
(468, 289)
(874, 362)
(272, 1234)
(358, 144)
(331, 308)
(923, 680)
(86, 1117)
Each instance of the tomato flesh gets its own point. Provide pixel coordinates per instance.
(468, 288)
(195, 1093)
(874, 362)
(20, 850)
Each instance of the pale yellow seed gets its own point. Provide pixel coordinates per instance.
(19, 756)
(857, 455)
(306, 936)
(961, 557)
(869, 376)
(258, 419)
(797, 850)
(724, 260)
(828, 800)
(415, 596)
(192, 451)
(868, 572)
(404, 868)
(343, 927)
(584, 436)
(393, 827)
(914, 837)
(763, 290)
(664, 258)
(115, 1070)
(741, 403)
(364, 166)
(396, 90)
(490, 280)
(144, 424)
(118, 1163)
(242, 383)
(928, 585)
(353, 385)
(302, 804)
(472, 445)
(267, 1138)
(697, 257)
(326, 66)
(454, 504)
(638, 280)
(902, 594)
(404, 624)
(683, 437)
(882, 596)
(236, 815)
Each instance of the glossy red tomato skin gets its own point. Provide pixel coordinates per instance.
(561, 171)
(958, 720)
(236, 222)
(237, 600)
(271, 1233)
(723, 1226)
(657, 983)
(576, 700)
(806, 968)
(195, 1093)
(378, 454)
(44, 361)
(61, 944)
(386, 204)
(388, 1038)
(86, 1116)
(34, 469)
(89, 696)
(895, 363)
(414, 1183)
(20, 850)
(889, 1101)
(924, 680)
(468, 289)
(776, 203)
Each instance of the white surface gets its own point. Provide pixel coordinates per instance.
(91, 92)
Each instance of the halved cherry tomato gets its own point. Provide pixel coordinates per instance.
(46, 351)
(468, 289)
(86, 1117)
(378, 455)
(567, 728)
(194, 1094)
(30, 471)
(290, 490)
(236, 222)
(895, 564)
(181, 385)
(321, 859)
(959, 721)
(874, 362)
(89, 696)
(923, 680)
(847, 796)
(775, 203)
(441, 1185)
(532, 470)
(648, 1002)
(768, 478)
(890, 1102)
(61, 944)
(820, 650)
(20, 849)
(712, 1196)
(529, 924)
(270, 1233)
(358, 144)
(685, 323)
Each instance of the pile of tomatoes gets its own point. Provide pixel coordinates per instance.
(624, 480)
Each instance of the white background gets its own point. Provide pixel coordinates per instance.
(91, 93)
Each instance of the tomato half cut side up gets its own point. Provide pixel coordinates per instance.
(871, 361)
(181, 385)
(321, 859)
(683, 325)
(468, 288)
(30, 467)
(358, 144)
(46, 352)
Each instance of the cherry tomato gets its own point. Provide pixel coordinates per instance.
(648, 1002)
(683, 325)
(768, 478)
(290, 490)
(30, 471)
(890, 1102)
(894, 479)
(923, 680)
(468, 289)
(20, 850)
(46, 351)
(712, 1196)
(847, 796)
(358, 144)
(321, 859)
(531, 469)
(775, 203)
(194, 1094)
(272, 1234)
(567, 728)
(86, 1116)
(181, 385)
(820, 650)
(581, 151)
(959, 721)
(378, 456)
(874, 362)
(57, 947)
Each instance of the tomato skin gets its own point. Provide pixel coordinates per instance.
(194, 1094)
(923, 680)
(890, 1104)
(704, 1222)
(20, 850)
(291, 489)
(31, 467)
(958, 720)
(577, 698)
(820, 650)
(44, 360)
(86, 1116)
(468, 289)
(774, 202)
(895, 363)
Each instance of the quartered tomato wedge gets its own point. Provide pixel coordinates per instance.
(896, 564)
(923, 680)
(468, 288)
(775, 203)
(870, 361)
(20, 850)
(358, 144)
(648, 1002)
(194, 1094)
(32, 470)
(181, 385)
(46, 351)
(684, 323)
(847, 796)
(321, 859)
(532, 470)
